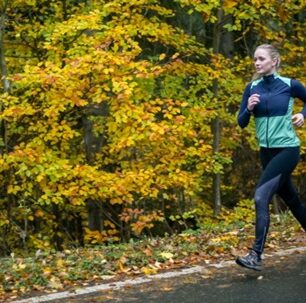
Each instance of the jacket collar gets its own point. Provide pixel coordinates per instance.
(270, 78)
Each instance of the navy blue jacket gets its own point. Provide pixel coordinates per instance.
(273, 114)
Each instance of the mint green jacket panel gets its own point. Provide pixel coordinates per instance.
(277, 131)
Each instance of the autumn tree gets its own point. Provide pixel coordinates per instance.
(106, 127)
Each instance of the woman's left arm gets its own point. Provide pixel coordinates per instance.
(298, 90)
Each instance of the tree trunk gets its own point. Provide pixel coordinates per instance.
(5, 82)
(216, 124)
(93, 145)
(3, 67)
(222, 43)
(216, 177)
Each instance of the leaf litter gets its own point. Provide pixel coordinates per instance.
(48, 271)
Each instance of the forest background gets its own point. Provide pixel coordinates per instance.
(118, 117)
(118, 125)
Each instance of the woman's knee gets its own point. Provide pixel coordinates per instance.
(258, 198)
(261, 202)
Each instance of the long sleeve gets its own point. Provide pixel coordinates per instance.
(244, 115)
(298, 90)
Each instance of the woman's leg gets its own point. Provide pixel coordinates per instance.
(263, 196)
(278, 165)
(290, 196)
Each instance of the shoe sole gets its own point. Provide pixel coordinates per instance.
(257, 268)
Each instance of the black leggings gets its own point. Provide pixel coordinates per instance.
(278, 164)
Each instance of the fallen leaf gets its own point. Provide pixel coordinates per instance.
(167, 288)
(166, 255)
(260, 278)
(224, 285)
(55, 283)
(149, 270)
(148, 252)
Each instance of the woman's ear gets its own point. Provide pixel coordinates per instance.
(277, 62)
(274, 62)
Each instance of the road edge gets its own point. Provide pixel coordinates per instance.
(142, 280)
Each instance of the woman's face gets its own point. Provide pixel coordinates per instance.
(264, 64)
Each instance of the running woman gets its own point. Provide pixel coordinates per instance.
(269, 98)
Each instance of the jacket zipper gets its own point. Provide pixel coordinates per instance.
(267, 127)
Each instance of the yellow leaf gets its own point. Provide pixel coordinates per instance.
(22, 266)
(229, 3)
(60, 263)
(55, 283)
(39, 213)
(47, 271)
(121, 267)
(148, 270)
(166, 255)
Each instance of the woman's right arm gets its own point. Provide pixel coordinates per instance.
(244, 114)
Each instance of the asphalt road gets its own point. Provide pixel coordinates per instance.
(283, 280)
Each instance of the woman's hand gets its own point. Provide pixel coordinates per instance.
(252, 101)
(298, 120)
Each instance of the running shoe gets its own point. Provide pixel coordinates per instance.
(252, 261)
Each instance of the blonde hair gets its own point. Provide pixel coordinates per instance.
(274, 54)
